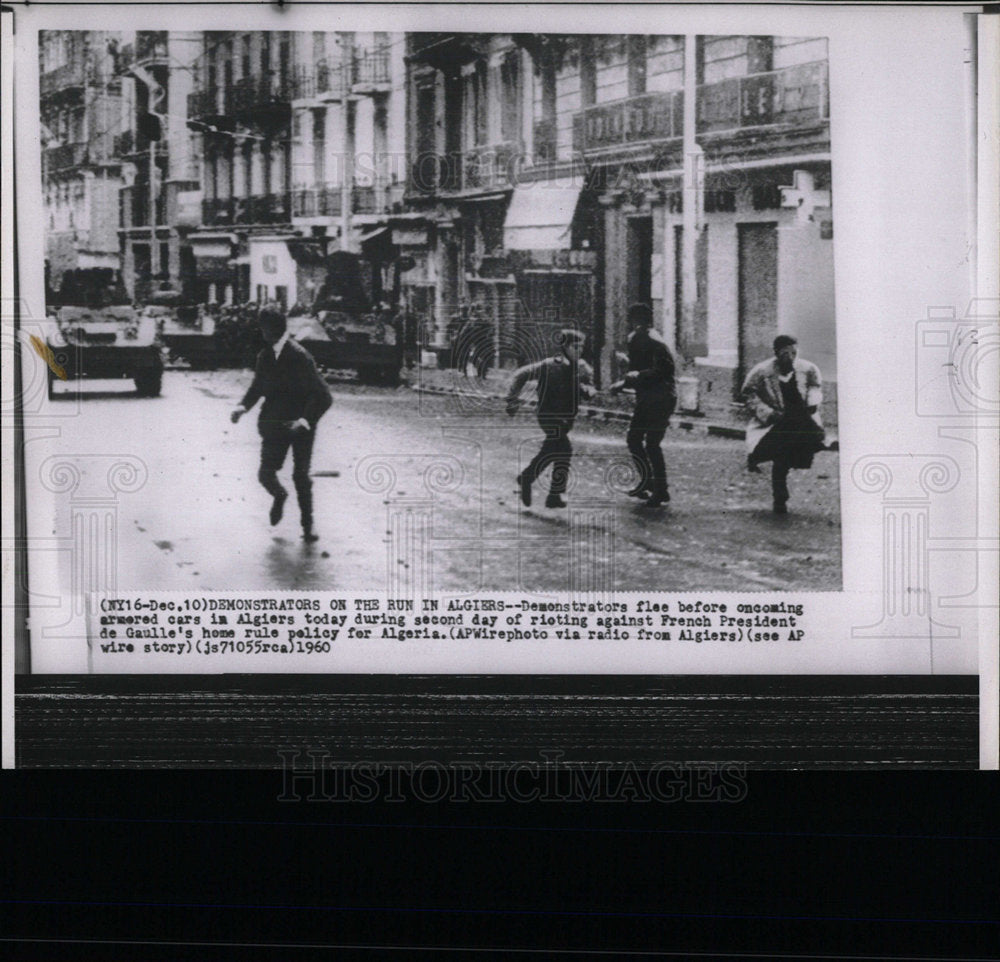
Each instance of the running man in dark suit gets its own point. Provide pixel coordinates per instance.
(295, 398)
(651, 374)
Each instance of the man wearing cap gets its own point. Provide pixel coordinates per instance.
(562, 380)
(651, 374)
(295, 398)
(784, 394)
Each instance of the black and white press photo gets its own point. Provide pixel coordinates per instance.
(403, 342)
(413, 223)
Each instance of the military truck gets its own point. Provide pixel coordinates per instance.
(99, 334)
(344, 330)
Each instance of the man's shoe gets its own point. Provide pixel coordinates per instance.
(658, 498)
(278, 506)
(780, 507)
(524, 482)
(309, 535)
(555, 501)
(639, 491)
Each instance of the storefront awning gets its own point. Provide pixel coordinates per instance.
(308, 253)
(86, 259)
(371, 234)
(212, 245)
(541, 214)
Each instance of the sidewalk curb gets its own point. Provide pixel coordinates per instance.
(686, 422)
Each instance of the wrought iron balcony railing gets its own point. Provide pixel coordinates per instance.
(324, 200)
(370, 68)
(264, 209)
(258, 209)
(796, 96)
(217, 211)
(253, 94)
(321, 79)
(791, 97)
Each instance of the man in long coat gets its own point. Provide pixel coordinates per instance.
(784, 395)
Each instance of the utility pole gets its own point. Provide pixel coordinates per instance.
(154, 247)
(347, 175)
(693, 201)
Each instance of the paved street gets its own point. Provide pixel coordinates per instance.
(408, 481)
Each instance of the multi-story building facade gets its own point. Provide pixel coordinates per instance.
(160, 162)
(470, 114)
(295, 127)
(551, 173)
(82, 108)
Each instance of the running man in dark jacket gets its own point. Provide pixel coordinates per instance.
(651, 373)
(295, 398)
(562, 380)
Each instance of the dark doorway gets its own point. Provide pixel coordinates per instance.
(639, 254)
(758, 292)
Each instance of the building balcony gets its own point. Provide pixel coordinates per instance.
(260, 97)
(447, 51)
(257, 209)
(318, 81)
(776, 101)
(325, 200)
(132, 143)
(150, 48)
(370, 71)
(217, 211)
(494, 166)
(633, 120)
(66, 156)
(489, 167)
(791, 97)
(68, 80)
(210, 103)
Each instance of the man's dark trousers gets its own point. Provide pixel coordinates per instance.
(273, 451)
(644, 446)
(555, 451)
(292, 389)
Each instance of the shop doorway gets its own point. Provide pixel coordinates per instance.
(639, 259)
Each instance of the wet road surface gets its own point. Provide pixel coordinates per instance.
(419, 489)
